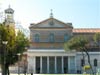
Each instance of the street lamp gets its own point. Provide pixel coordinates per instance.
(18, 63)
(25, 61)
(4, 56)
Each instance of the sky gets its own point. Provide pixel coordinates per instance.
(82, 13)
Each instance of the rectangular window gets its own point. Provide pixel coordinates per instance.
(82, 62)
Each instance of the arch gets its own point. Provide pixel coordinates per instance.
(37, 37)
(66, 37)
(51, 37)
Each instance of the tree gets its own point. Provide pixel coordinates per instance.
(4, 36)
(97, 39)
(97, 44)
(79, 43)
(15, 45)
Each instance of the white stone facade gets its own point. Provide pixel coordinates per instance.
(74, 60)
(32, 54)
(93, 56)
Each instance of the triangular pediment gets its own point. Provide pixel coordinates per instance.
(52, 22)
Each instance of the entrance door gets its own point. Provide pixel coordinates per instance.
(44, 65)
(51, 65)
(65, 64)
(37, 64)
(59, 64)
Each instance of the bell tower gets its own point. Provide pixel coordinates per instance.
(9, 18)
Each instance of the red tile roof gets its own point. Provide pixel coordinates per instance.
(86, 30)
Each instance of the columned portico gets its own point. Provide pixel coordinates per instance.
(50, 62)
(54, 64)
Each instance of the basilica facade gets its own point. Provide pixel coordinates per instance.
(46, 53)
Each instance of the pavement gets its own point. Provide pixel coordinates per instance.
(52, 74)
(48, 74)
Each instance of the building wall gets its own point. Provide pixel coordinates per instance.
(42, 46)
(45, 39)
(44, 34)
(93, 56)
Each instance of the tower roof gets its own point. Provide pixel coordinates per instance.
(9, 10)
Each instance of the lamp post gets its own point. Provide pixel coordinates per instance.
(4, 56)
(18, 63)
(24, 66)
(25, 62)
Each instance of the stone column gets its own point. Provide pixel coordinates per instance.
(31, 64)
(55, 65)
(47, 64)
(34, 67)
(75, 66)
(62, 64)
(41, 64)
(68, 64)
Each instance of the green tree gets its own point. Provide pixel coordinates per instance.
(4, 33)
(15, 45)
(97, 40)
(79, 43)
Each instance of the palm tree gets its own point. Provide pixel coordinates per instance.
(79, 43)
